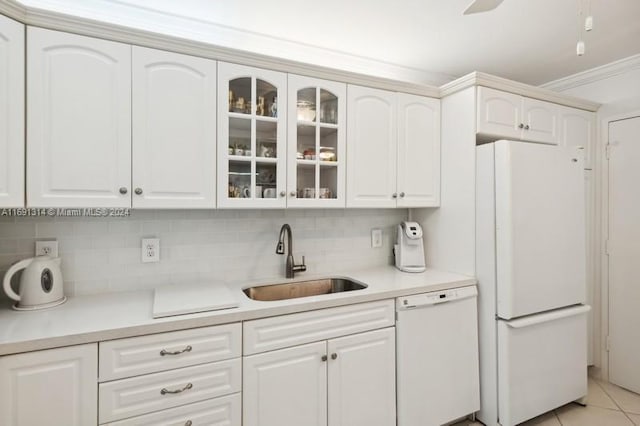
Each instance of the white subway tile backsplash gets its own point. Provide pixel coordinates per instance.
(103, 254)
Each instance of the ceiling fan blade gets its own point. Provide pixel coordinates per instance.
(478, 6)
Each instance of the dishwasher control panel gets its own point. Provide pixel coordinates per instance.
(433, 298)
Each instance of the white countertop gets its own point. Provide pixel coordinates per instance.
(86, 319)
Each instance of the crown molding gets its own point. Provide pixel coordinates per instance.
(13, 9)
(154, 29)
(499, 83)
(595, 74)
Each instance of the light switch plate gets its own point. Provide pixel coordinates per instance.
(150, 250)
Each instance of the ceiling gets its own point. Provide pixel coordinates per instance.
(425, 41)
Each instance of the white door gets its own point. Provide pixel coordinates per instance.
(499, 113)
(418, 151)
(11, 113)
(371, 147)
(540, 121)
(362, 379)
(540, 228)
(174, 130)
(624, 252)
(78, 121)
(316, 160)
(56, 387)
(542, 363)
(287, 387)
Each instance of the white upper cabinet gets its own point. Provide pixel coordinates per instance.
(252, 142)
(418, 151)
(499, 113)
(11, 113)
(577, 130)
(393, 149)
(52, 387)
(174, 130)
(316, 142)
(540, 121)
(371, 147)
(79, 121)
(508, 116)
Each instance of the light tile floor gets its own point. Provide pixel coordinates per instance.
(607, 405)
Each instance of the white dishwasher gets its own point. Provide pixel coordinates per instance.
(437, 357)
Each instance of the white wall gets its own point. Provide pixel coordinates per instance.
(449, 232)
(103, 255)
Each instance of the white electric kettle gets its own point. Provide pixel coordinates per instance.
(41, 284)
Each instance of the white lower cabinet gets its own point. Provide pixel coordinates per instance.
(286, 387)
(55, 387)
(223, 411)
(347, 381)
(332, 367)
(187, 377)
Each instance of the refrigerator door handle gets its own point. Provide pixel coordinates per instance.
(546, 317)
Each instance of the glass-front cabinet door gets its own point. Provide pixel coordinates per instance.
(251, 137)
(316, 146)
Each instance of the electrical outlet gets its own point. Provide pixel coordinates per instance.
(47, 248)
(150, 250)
(376, 238)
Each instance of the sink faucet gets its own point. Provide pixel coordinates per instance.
(292, 268)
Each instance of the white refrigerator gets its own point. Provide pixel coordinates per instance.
(530, 264)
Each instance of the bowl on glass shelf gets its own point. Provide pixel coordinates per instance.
(306, 111)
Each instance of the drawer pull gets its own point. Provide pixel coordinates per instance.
(165, 391)
(188, 423)
(164, 352)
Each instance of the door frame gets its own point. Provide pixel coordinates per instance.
(601, 222)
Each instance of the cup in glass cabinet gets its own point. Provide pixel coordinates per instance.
(324, 193)
(269, 193)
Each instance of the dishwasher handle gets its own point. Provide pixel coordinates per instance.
(435, 298)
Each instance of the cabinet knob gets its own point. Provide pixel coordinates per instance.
(282, 193)
(334, 355)
(402, 195)
(123, 190)
(526, 127)
(188, 423)
(394, 195)
(138, 191)
(324, 357)
(521, 126)
(293, 193)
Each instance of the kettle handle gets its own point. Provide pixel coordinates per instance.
(7, 278)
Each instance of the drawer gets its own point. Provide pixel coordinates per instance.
(153, 392)
(158, 352)
(295, 329)
(223, 411)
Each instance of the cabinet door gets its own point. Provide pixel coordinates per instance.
(56, 387)
(372, 147)
(174, 130)
(287, 387)
(540, 121)
(251, 137)
(577, 130)
(362, 379)
(316, 142)
(499, 113)
(79, 121)
(11, 113)
(418, 151)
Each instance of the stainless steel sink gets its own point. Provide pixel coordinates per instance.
(302, 289)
